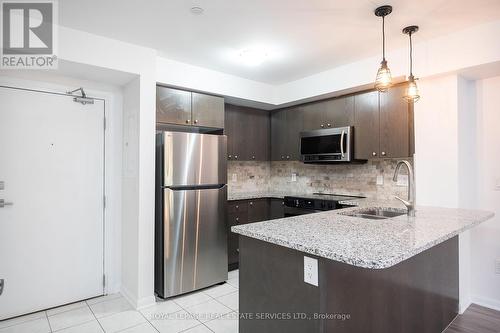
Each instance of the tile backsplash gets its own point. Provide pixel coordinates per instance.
(354, 179)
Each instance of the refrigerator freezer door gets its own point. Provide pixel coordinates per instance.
(192, 159)
(194, 240)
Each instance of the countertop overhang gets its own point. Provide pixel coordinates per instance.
(373, 244)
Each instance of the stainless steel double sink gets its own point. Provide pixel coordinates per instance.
(376, 213)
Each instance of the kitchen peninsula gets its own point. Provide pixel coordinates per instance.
(396, 274)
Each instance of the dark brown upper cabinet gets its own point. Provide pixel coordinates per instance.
(338, 112)
(173, 106)
(396, 129)
(248, 133)
(366, 126)
(181, 107)
(383, 126)
(208, 111)
(286, 125)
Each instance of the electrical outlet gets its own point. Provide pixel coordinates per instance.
(402, 180)
(234, 177)
(497, 266)
(294, 177)
(380, 180)
(311, 271)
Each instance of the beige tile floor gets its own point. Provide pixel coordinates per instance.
(210, 310)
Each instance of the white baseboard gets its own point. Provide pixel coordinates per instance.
(463, 306)
(138, 303)
(486, 302)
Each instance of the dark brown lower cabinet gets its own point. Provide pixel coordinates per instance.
(249, 211)
(418, 295)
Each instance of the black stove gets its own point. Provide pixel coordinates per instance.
(316, 202)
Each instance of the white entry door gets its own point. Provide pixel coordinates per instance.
(52, 170)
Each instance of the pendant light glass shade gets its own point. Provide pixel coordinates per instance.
(384, 77)
(411, 94)
(383, 81)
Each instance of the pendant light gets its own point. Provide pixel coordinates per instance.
(384, 78)
(411, 94)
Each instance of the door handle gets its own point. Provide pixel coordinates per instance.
(342, 143)
(3, 203)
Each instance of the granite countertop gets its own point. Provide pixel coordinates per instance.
(375, 244)
(254, 195)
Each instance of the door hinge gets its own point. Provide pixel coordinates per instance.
(104, 201)
(104, 123)
(103, 280)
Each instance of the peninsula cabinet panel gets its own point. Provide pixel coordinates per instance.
(173, 106)
(395, 125)
(366, 125)
(208, 111)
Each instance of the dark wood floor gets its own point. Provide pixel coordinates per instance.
(476, 319)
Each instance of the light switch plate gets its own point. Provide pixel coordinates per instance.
(234, 177)
(497, 184)
(402, 180)
(380, 180)
(294, 177)
(311, 271)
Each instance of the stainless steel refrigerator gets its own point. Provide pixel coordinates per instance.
(191, 196)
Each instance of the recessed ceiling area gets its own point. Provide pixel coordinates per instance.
(298, 37)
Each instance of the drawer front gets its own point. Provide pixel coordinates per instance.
(237, 206)
(258, 210)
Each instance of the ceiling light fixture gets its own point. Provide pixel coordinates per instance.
(411, 94)
(384, 78)
(253, 56)
(197, 10)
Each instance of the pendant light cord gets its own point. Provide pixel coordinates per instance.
(383, 37)
(411, 56)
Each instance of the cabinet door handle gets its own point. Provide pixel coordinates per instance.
(322, 126)
(282, 157)
(236, 206)
(237, 219)
(235, 157)
(188, 121)
(196, 121)
(251, 203)
(253, 157)
(329, 125)
(383, 153)
(287, 157)
(374, 154)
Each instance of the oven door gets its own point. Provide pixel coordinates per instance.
(326, 145)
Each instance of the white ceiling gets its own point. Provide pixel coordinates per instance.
(304, 36)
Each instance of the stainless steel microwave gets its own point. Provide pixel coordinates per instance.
(327, 145)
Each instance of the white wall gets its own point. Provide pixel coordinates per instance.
(485, 239)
